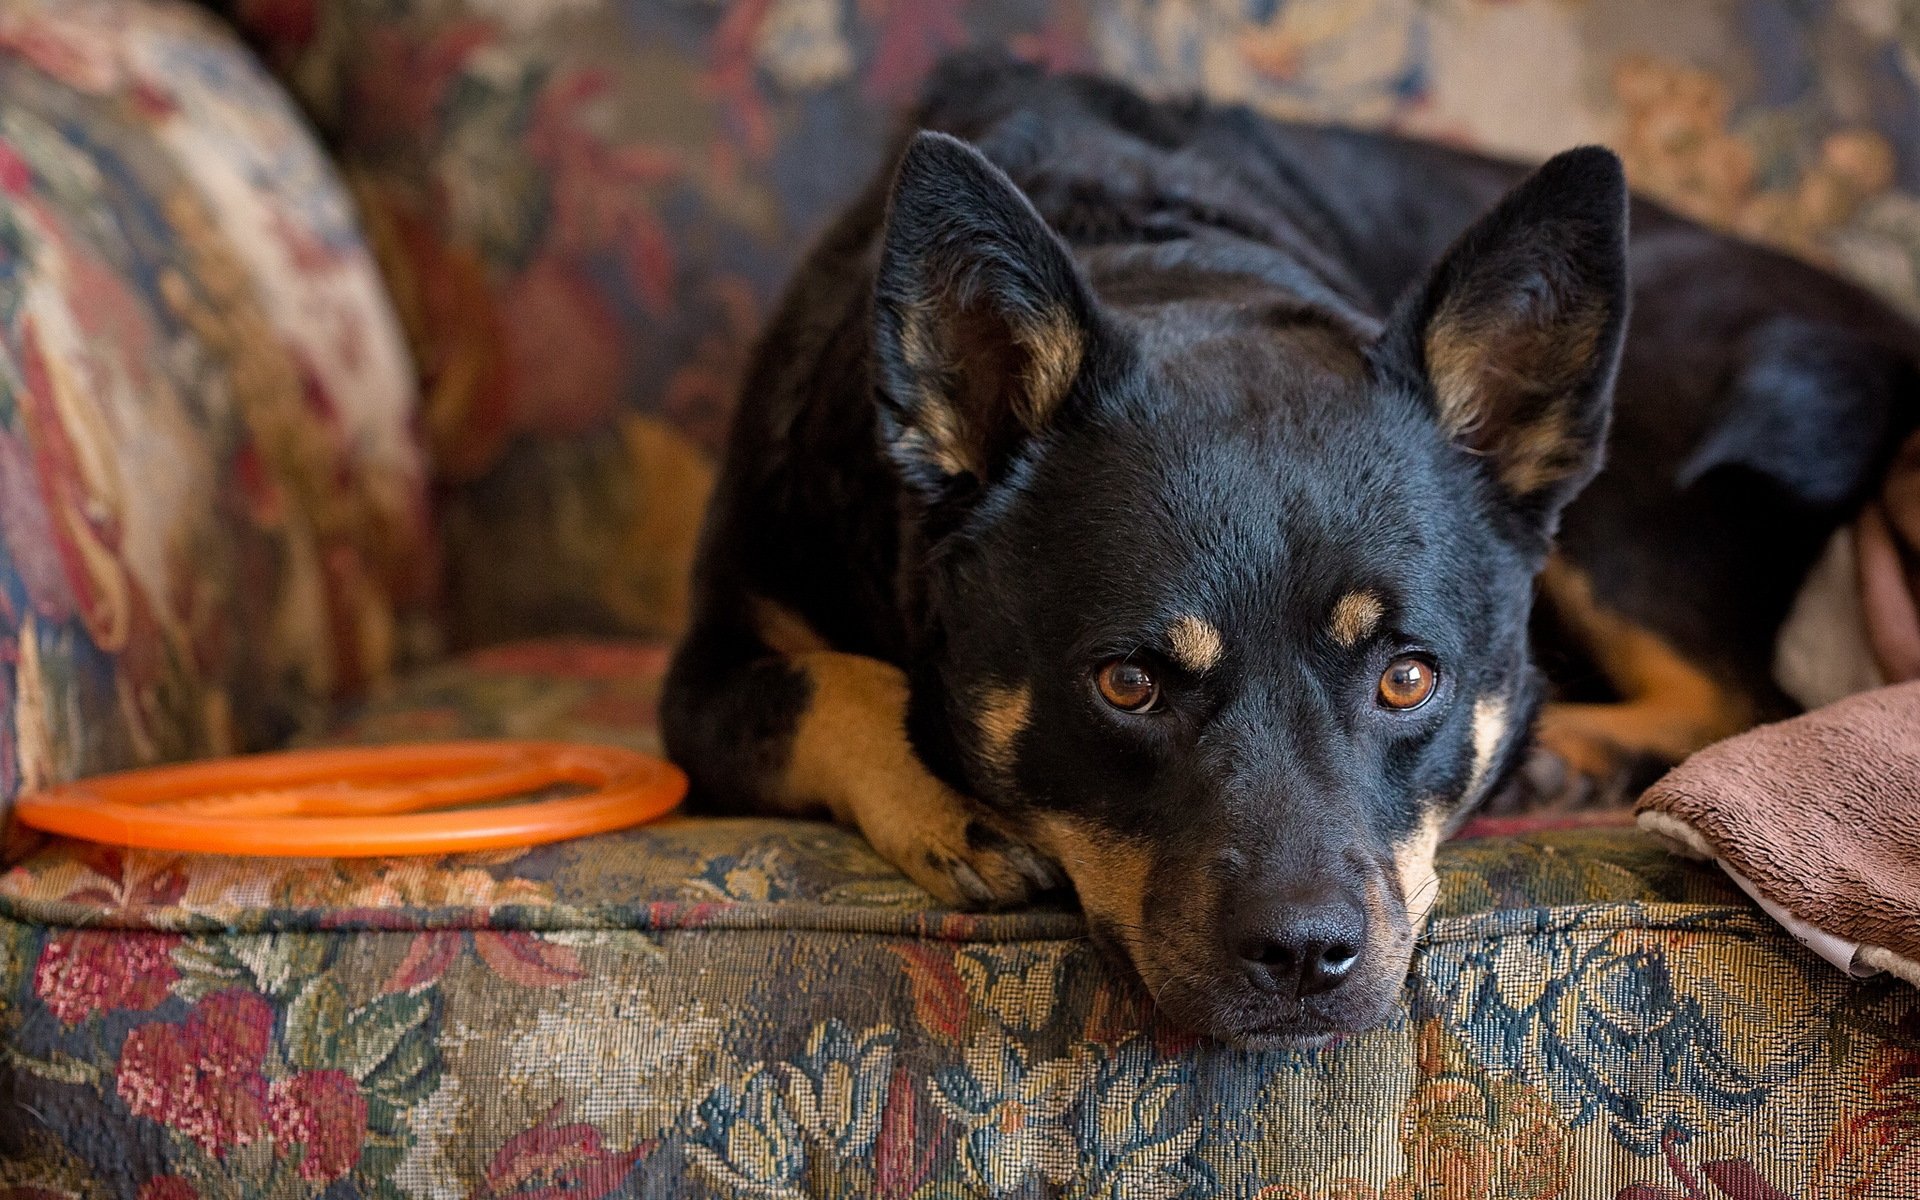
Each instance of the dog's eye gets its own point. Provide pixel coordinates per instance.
(1407, 683)
(1128, 686)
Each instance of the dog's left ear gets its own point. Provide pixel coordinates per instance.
(1515, 336)
(981, 318)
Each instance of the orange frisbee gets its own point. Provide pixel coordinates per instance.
(364, 801)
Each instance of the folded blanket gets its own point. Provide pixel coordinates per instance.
(1818, 818)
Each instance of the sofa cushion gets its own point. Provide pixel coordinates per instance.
(212, 508)
(754, 1008)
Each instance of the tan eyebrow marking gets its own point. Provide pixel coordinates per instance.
(1355, 616)
(1196, 644)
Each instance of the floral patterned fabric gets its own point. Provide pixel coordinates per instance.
(211, 521)
(757, 1008)
(587, 206)
(212, 515)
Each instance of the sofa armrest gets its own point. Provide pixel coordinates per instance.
(212, 506)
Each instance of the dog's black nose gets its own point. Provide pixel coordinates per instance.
(1301, 945)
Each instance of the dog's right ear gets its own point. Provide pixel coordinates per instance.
(1516, 333)
(982, 321)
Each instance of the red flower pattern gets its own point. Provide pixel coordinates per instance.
(732, 80)
(16, 176)
(914, 34)
(520, 958)
(1731, 1178)
(202, 1076)
(123, 892)
(557, 1162)
(94, 971)
(904, 1156)
(322, 1112)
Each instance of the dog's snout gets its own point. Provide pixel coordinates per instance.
(1300, 945)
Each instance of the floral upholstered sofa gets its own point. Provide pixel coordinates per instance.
(406, 438)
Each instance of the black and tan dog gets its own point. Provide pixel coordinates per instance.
(1159, 494)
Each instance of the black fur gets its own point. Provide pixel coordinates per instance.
(1249, 433)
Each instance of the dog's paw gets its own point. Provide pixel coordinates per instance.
(1549, 781)
(975, 864)
(1572, 767)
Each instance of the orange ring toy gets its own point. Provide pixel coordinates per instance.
(363, 801)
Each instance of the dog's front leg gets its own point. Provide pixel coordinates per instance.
(1669, 707)
(798, 733)
(850, 752)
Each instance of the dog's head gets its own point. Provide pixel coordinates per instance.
(1225, 599)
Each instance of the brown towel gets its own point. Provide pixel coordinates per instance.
(1819, 819)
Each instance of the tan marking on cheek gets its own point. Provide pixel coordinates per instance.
(1109, 873)
(1489, 727)
(1413, 863)
(1003, 717)
(783, 630)
(1355, 616)
(1196, 644)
